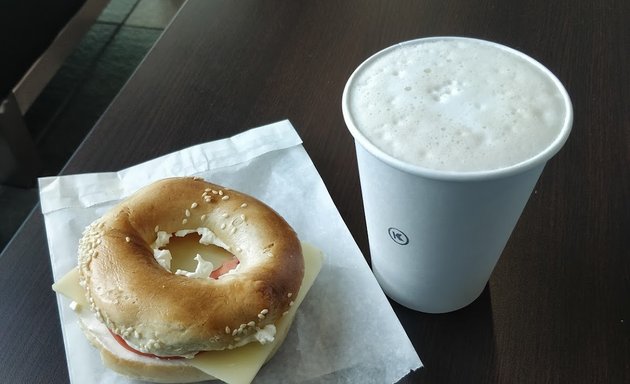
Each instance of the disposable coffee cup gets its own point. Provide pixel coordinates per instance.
(451, 136)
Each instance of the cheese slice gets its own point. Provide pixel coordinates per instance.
(236, 366)
(69, 286)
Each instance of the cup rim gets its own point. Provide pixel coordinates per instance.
(539, 159)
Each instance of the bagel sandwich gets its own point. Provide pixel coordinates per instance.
(155, 316)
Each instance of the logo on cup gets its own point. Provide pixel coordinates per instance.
(398, 236)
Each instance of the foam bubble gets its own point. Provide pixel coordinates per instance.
(456, 105)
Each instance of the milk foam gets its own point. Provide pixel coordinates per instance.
(456, 105)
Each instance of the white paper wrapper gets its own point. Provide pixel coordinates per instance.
(344, 332)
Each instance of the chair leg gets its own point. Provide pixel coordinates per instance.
(19, 161)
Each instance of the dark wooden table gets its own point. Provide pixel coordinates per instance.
(557, 309)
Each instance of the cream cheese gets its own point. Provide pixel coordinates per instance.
(203, 270)
(263, 336)
(162, 239)
(207, 237)
(163, 257)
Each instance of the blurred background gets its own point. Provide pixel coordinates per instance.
(80, 91)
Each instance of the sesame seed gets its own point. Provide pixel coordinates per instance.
(157, 228)
(215, 192)
(127, 239)
(184, 221)
(289, 294)
(203, 217)
(204, 194)
(251, 324)
(234, 332)
(243, 217)
(194, 205)
(261, 316)
(244, 205)
(220, 193)
(233, 231)
(227, 330)
(207, 189)
(187, 213)
(223, 226)
(207, 199)
(291, 304)
(285, 313)
(226, 197)
(264, 311)
(224, 215)
(197, 178)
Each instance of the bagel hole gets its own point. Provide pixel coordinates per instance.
(184, 249)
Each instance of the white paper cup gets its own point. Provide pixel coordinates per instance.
(436, 235)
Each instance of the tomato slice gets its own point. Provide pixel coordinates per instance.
(124, 344)
(225, 268)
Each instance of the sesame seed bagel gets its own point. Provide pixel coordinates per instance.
(166, 314)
